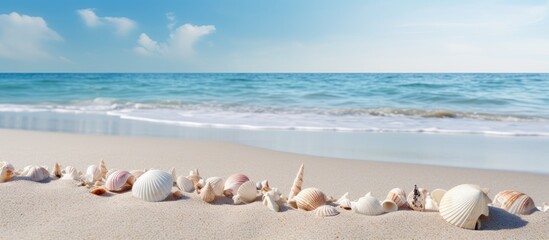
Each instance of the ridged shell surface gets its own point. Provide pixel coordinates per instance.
(298, 182)
(93, 173)
(117, 180)
(233, 183)
(217, 185)
(185, 184)
(6, 171)
(71, 173)
(308, 199)
(207, 193)
(514, 202)
(246, 193)
(153, 186)
(398, 196)
(368, 205)
(326, 211)
(36, 173)
(463, 205)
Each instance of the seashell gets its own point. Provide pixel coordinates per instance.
(174, 176)
(416, 199)
(265, 186)
(6, 171)
(271, 203)
(514, 202)
(298, 182)
(233, 183)
(463, 205)
(111, 171)
(103, 169)
(326, 211)
(177, 195)
(436, 196)
(57, 171)
(207, 193)
(217, 185)
(398, 196)
(185, 184)
(274, 194)
(119, 181)
(342, 198)
(389, 206)
(71, 173)
(35, 173)
(98, 190)
(98, 183)
(258, 186)
(369, 205)
(137, 173)
(308, 199)
(194, 176)
(153, 186)
(93, 173)
(345, 204)
(246, 193)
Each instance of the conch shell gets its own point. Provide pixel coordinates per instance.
(463, 205)
(298, 182)
(308, 199)
(6, 171)
(246, 193)
(514, 202)
(207, 193)
(398, 196)
(416, 199)
(369, 205)
(326, 211)
(233, 183)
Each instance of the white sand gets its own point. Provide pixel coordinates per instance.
(60, 209)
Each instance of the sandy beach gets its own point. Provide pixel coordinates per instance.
(60, 209)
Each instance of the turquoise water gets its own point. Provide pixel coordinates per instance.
(488, 104)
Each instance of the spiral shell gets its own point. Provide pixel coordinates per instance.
(93, 173)
(246, 193)
(416, 199)
(514, 202)
(308, 199)
(217, 185)
(298, 182)
(71, 173)
(153, 186)
(207, 193)
(35, 173)
(6, 171)
(57, 172)
(463, 205)
(398, 196)
(184, 184)
(233, 183)
(103, 169)
(119, 180)
(326, 211)
(369, 205)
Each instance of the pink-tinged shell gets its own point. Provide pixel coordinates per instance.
(233, 183)
(398, 196)
(36, 173)
(514, 202)
(308, 199)
(116, 181)
(6, 171)
(326, 211)
(416, 199)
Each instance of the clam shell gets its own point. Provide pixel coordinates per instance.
(298, 182)
(93, 173)
(514, 202)
(185, 184)
(71, 173)
(308, 199)
(6, 171)
(111, 171)
(463, 205)
(233, 183)
(271, 203)
(153, 186)
(217, 185)
(368, 205)
(103, 169)
(57, 171)
(116, 181)
(246, 193)
(416, 199)
(398, 196)
(207, 193)
(326, 211)
(35, 173)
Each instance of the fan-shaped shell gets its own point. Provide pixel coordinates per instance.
(185, 184)
(463, 205)
(217, 185)
(207, 193)
(57, 172)
(93, 173)
(153, 186)
(271, 203)
(398, 196)
(71, 173)
(308, 199)
(116, 181)
(233, 183)
(246, 193)
(326, 211)
(416, 199)
(6, 171)
(103, 169)
(298, 182)
(368, 205)
(36, 173)
(514, 202)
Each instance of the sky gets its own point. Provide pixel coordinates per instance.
(274, 36)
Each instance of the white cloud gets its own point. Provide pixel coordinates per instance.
(24, 37)
(179, 44)
(121, 25)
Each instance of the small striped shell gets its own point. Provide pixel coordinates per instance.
(117, 181)
(369, 205)
(36, 173)
(463, 205)
(326, 211)
(93, 173)
(298, 182)
(514, 202)
(308, 199)
(103, 169)
(153, 186)
(233, 183)
(71, 173)
(184, 184)
(217, 185)
(398, 196)
(416, 199)
(246, 193)
(6, 171)
(207, 193)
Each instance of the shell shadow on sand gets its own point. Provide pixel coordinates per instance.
(500, 219)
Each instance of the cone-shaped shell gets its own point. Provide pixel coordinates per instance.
(153, 186)
(246, 193)
(398, 196)
(514, 202)
(463, 205)
(217, 185)
(207, 193)
(93, 173)
(326, 211)
(57, 172)
(103, 169)
(6, 171)
(271, 203)
(298, 182)
(36, 173)
(184, 184)
(71, 173)
(369, 205)
(116, 181)
(416, 199)
(308, 199)
(233, 183)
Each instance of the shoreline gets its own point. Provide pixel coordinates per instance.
(58, 204)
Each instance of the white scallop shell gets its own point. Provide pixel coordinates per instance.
(153, 186)
(246, 193)
(217, 185)
(463, 205)
(271, 203)
(298, 182)
(416, 199)
(184, 184)
(6, 171)
(71, 173)
(93, 173)
(207, 193)
(233, 183)
(514, 202)
(103, 169)
(35, 173)
(368, 205)
(308, 199)
(398, 196)
(57, 172)
(326, 211)
(118, 180)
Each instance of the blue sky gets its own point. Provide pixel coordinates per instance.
(274, 36)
